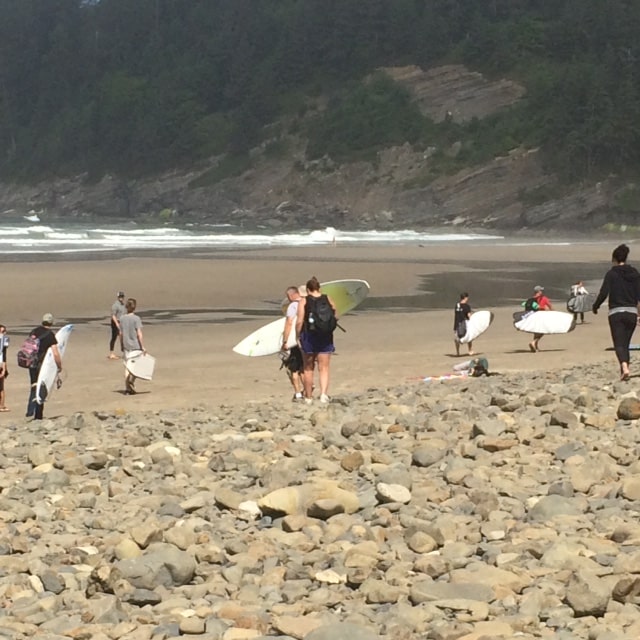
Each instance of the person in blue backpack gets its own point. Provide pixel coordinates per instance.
(315, 324)
(47, 339)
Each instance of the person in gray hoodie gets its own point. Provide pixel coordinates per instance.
(621, 285)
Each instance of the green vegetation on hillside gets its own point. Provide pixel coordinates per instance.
(137, 86)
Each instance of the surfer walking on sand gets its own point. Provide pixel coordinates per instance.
(543, 304)
(117, 311)
(621, 285)
(461, 313)
(46, 340)
(315, 324)
(130, 340)
(292, 356)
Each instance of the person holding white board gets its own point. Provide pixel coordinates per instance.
(131, 340)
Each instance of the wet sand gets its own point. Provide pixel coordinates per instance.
(195, 308)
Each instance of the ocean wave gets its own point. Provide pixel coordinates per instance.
(16, 239)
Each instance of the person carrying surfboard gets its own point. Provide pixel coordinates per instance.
(130, 340)
(31, 355)
(621, 285)
(292, 360)
(315, 324)
(461, 313)
(543, 304)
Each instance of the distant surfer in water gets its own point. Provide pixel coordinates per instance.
(543, 304)
(621, 285)
(461, 314)
(130, 340)
(292, 356)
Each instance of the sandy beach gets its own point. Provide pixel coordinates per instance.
(196, 308)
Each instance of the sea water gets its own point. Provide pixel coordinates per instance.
(27, 238)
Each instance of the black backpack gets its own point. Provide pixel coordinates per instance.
(320, 316)
(530, 304)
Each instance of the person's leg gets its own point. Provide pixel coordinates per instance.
(533, 345)
(324, 360)
(308, 362)
(31, 403)
(2, 406)
(470, 347)
(112, 342)
(622, 326)
(456, 342)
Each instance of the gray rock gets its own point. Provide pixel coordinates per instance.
(551, 506)
(166, 566)
(588, 595)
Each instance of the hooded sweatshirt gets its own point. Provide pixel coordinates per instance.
(622, 285)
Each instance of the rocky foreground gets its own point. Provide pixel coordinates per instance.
(501, 507)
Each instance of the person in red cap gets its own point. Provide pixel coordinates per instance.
(544, 304)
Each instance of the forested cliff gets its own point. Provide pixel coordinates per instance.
(360, 111)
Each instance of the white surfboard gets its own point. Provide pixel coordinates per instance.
(477, 324)
(140, 364)
(267, 340)
(48, 376)
(546, 322)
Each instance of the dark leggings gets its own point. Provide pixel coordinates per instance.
(622, 326)
(114, 335)
(34, 409)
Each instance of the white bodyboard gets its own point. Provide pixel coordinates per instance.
(477, 324)
(546, 322)
(140, 364)
(48, 376)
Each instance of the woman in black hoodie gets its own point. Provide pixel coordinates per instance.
(622, 285)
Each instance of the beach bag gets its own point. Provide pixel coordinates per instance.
(321, 317)
(29, 353)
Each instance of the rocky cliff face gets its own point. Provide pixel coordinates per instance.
(396, 192)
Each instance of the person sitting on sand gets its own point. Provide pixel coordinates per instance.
(461, 313)
(621, 285)
(543, 304)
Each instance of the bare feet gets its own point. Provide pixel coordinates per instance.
(532, 347)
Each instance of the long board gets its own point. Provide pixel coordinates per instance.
(267, 340)
(140, 364)
(48, 376)
(546, 322)
(477, 324)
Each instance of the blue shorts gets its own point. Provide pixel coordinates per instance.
(315, 342)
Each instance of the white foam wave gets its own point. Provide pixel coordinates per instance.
(76, 238)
